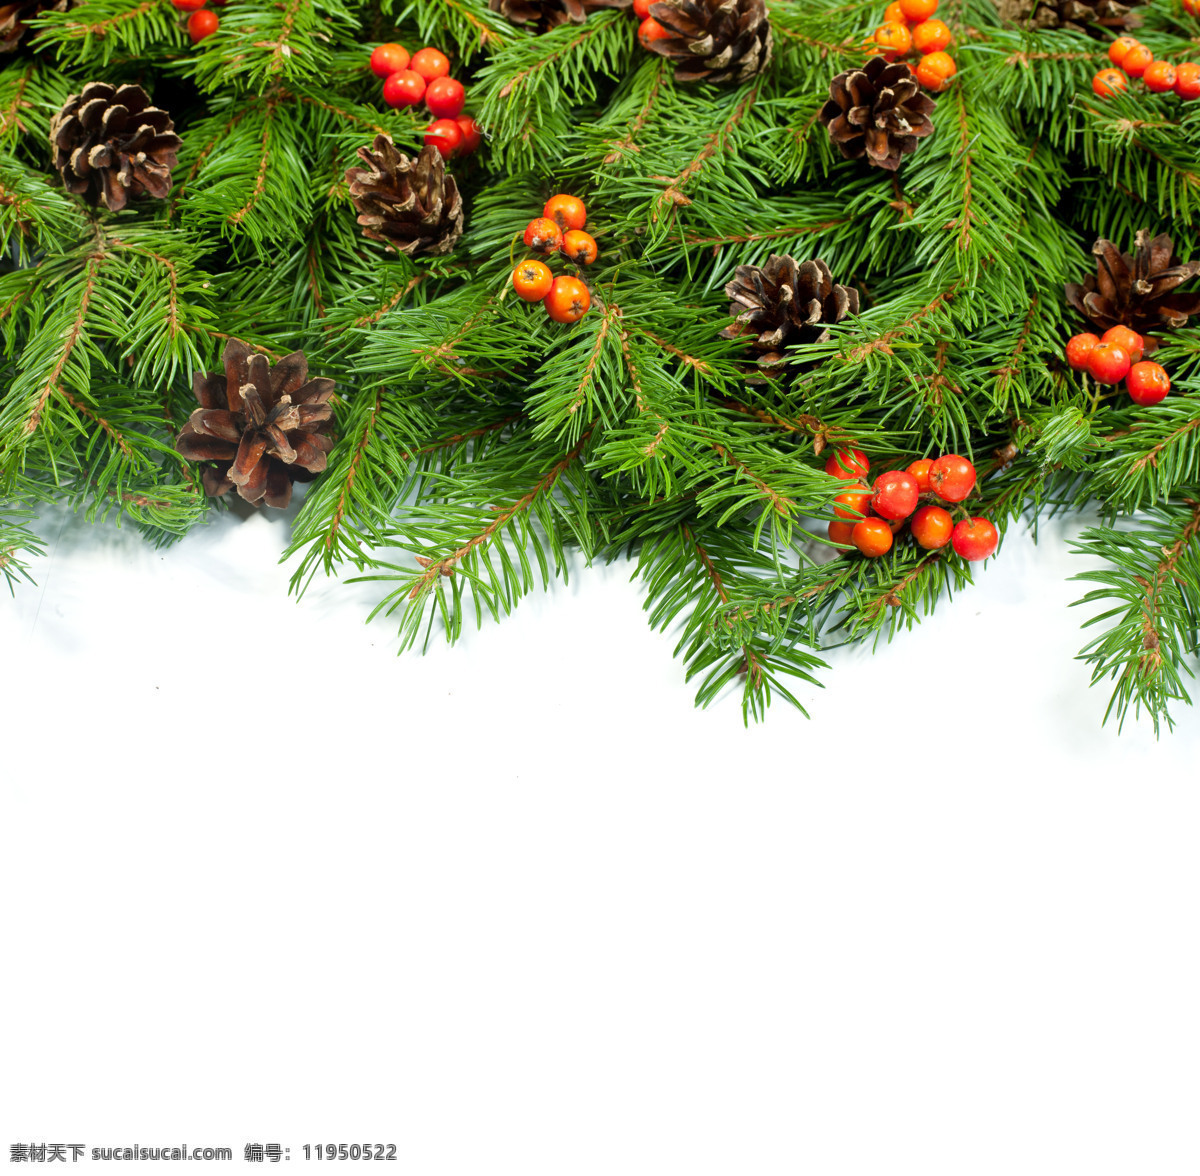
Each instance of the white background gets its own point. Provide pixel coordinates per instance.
(519, 908)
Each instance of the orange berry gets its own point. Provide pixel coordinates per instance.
(430, 64)
(568, 212)
(202, 24)
(894, 12)
(1187, 80)
(840, 531)
(532, 280)
(388, 59)
(930, 36)
(1121, 46)
(873, 537)
(893, 39)
(543, 235)
(1108, 82)
(650, 31)
(919, 10)
(580, 247)
(1159, 77)
(1135, 61)
(568, 300)
(931, 527)
(934, 70)
(1192, 7)
(1123, 336)
(852, 504)
(641, 8)
(920, 470)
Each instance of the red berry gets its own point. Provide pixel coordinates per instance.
(430, 64)
(895, 495)
(847, 463)
(931, 527)
(445, 97)
(568, 300)
(1121, 46)
(1079, 347)
(975, 539)
(1124, 337)
(650, 31)
(852, 504)
(580, 247)
(641, 8)
(188, 5)
(1135, 61)
(568, 212)
(388, 59)
(952, 477)
(920, 470)
(404, 88)
(873, 537)
(1187, 81)
(1108, 363)
(202, 24)
(1147, 383)
(1159, 77)
(1108, 82)
(472, 135)
(543, 235)
(444, 134)
(532, 280)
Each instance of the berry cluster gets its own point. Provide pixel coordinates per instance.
(1115, 356)
(1134, 60)
(203, 21)
(558, 230)
(425, 76)
(869, 519)
(908, 27)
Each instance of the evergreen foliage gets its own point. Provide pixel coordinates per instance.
(478, 441)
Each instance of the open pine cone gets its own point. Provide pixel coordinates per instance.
(1138, 291)
(14, 15)
(411, 205)
(547, 14)
(264, 427)
(713, 40)
(785, 304)
(877, 111)
(111, 145)
(1080, 15)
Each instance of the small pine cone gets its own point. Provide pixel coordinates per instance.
(411, 205)
(785, 304)
(548, 14)
(877, 111)
(1080, 15)
(264, 427)
(713, 40)
(1137, 291)
(110, 144)
(14, 16)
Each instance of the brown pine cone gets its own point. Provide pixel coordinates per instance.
(785, 304)
(878, 111)
(1137, 291)
(547, 14)
(411, 205)
(264, 427)
(713, 40)
(110, 144)
(1081, 15)
(14, 16)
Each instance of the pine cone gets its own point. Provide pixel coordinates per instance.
(786, 304)
(547, 14)
(1139, 291)
(411, 205)
(111, 144)
(1080, 15)
(14, 16)
(877, 111)
(713, 40)
(263, 426)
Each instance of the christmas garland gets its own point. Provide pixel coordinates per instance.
(800, 305)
